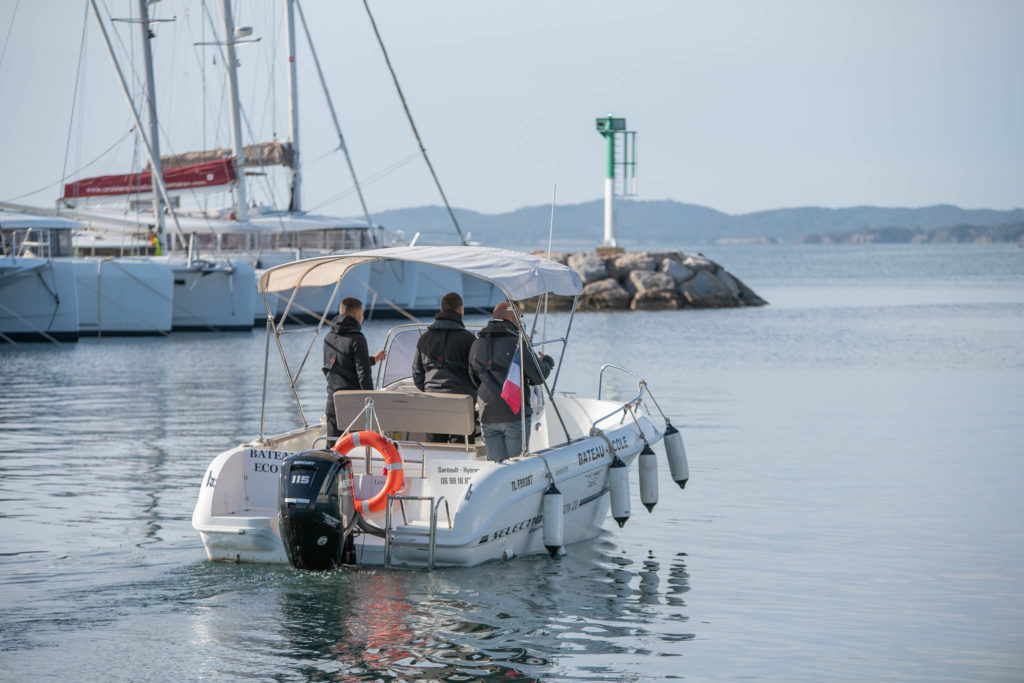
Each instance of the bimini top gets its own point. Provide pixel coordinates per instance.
(519, 275)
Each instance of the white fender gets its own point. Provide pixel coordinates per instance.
(676, 453)
(648, 466)
(618, 482)
(554, 523)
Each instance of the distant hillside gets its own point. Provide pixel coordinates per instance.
(958, 234)
(671, 222)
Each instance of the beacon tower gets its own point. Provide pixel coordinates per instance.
(620, 169)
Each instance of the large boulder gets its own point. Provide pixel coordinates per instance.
(605, 295)
(675, 269)
(640, 281)
(555, 303)
(705, 290)
(619, 267)
(556, 256)
(729, 282)
(590, 267)
(660, 256)
(748, 296)
(700, 262)
(657, 300)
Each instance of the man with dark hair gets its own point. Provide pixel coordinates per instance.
(441, 362)
(347, 361)
(500, 403)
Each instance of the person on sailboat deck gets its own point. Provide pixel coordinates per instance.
(500, 395)
(347, 361)
(441, 362)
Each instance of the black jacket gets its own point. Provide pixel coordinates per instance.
(347, 362)
(489, 360)
(441, 362)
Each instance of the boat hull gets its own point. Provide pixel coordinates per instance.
(485, 511)
(212, 295)
(123, 296)
(38, 300)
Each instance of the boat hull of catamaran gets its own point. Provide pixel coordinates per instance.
(38, 300)
(123, 296)
(213, 295)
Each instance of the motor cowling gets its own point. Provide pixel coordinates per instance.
(315, 511)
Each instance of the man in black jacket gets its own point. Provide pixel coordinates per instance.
(441, 362)
(489, 362)
(347, 361)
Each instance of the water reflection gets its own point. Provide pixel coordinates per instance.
(520, 620)
(96, 535)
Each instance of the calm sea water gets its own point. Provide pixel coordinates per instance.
(855, 509)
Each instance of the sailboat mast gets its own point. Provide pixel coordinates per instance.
(158, 180)
(293, 109)
(241, 203)
(337, 126)
(154, 133)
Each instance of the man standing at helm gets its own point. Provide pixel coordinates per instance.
(489, 360)
(441, 363)
(347, 362)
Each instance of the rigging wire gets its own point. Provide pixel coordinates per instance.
(78, 170)
(241, 109)
(203, 44)
(136, 164)
(368, 180)
(408, 115)
(74, 100)
(334, 117)
(175, 39)
(274, 21)
(9, 29)
(137, 82)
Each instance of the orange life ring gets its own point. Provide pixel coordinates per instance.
(395, 475)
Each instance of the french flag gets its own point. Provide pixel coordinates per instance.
(512, 391)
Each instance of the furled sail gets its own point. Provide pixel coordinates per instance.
(273, 153)
(195, 177)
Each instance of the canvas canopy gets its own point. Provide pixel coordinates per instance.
(273, 153)
(211, 174)
(517, 274)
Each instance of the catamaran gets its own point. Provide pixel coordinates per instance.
(386, 495)
(243, 236)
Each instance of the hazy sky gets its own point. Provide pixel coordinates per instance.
(740, 106)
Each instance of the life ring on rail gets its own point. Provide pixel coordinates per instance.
(395, 476)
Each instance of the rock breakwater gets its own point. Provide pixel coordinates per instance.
(651, 281)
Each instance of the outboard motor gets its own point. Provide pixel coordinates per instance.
(315, 510)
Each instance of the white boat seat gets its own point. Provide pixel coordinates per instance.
(425, 412)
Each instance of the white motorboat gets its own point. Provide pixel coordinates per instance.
(412, 502)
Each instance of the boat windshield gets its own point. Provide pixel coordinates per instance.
(398, 365)
(401, 348)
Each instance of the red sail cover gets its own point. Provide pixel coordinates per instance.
(198, 176)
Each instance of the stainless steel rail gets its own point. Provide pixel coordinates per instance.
(624, 408)
(431, 534)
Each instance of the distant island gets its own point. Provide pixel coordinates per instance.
(958, 234)
(675, 224)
